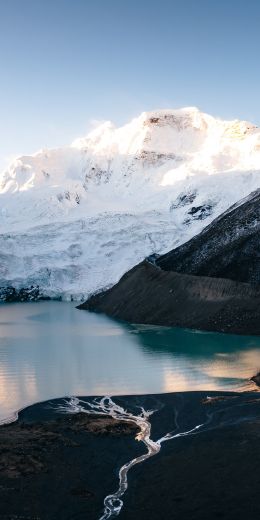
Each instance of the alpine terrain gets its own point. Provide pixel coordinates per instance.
(75, 219)
(209, 283)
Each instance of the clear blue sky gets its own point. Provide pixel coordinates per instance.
(66, 62)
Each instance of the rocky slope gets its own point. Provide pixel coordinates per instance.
(154, 292)
(227, 248)
(75, 219)
(149, 295)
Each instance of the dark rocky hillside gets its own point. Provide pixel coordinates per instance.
(228, 248)
(150, 295)
(209, 283)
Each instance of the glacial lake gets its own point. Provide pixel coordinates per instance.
(51, 349)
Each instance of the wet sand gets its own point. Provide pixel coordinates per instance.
(55, 466)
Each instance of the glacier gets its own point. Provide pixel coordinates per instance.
(73, 220)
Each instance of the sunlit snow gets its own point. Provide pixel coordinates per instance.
(74, 219)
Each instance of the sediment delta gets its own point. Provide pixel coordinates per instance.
(63, 466)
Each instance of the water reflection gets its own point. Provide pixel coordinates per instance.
(50, 349)
(201, 360)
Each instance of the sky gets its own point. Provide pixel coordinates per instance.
(67, 63)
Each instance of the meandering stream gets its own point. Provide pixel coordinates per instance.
(113, 503)
(106, 406)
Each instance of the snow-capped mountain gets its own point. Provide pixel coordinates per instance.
(74, 219)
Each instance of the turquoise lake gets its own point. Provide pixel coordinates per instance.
(51, 349)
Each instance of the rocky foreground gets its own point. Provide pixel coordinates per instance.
(210, 283)
(55, 466)
(62, 466)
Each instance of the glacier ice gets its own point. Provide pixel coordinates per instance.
(74, 219)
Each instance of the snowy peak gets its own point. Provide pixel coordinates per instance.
(144, 165)
(74, 219)
(175, 143)
(179, 119)
(150, 128)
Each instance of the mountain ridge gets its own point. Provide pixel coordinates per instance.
(227, 248)
(101, 205)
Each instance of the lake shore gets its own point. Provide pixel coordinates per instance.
(62, 466)
(149, 295)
